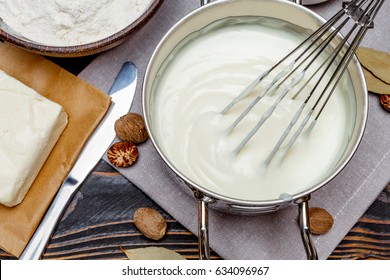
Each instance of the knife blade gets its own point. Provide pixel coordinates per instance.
(122, 94)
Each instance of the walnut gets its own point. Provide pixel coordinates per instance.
(131, 128)
(122, 154)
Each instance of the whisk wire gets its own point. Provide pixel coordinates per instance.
(362, 13)
(261, 77)
(274, 85)
(365, 22)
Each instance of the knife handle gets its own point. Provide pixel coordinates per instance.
(40, 239)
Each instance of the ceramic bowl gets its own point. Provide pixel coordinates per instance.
(85, 49)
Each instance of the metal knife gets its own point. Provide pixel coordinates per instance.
(122, 94)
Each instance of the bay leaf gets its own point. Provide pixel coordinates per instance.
(377, 62)
(152, 253)
(374, 84)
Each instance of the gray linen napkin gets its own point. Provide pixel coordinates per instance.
(271, 236)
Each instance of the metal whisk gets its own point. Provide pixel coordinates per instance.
(354, 19)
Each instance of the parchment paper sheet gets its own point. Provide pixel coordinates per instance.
(85, 106)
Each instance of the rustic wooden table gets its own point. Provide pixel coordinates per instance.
(99, 219)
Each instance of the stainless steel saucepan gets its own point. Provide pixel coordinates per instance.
(200, 18)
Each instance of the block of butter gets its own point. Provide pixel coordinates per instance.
(30, 126)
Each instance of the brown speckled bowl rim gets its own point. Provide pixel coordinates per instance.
(85, 49)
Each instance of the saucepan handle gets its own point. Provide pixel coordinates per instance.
(203, 225)
(304, 224)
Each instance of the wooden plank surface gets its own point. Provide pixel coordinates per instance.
(370, 237)
(99, 221)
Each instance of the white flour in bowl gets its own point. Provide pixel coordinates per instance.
(70, 22)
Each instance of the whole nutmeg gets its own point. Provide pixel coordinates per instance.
(320, 220)
(150, 222)
(385, 101)
(131, 128)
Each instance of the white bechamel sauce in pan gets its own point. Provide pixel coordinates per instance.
(203, 75)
